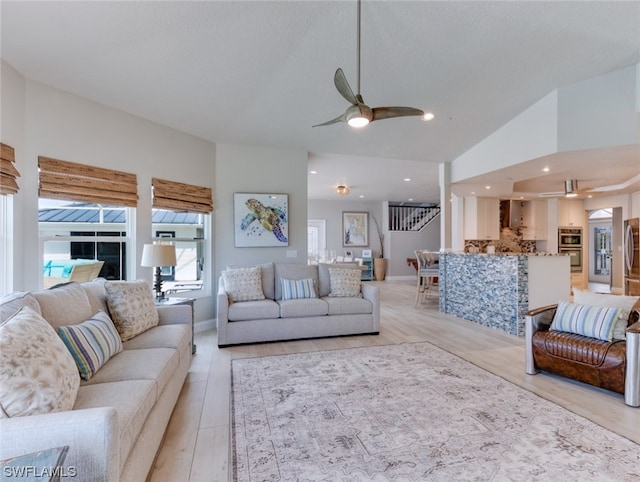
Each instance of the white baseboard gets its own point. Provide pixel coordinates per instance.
(404, 277)
(204, 325)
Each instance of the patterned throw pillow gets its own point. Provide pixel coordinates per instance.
(91, 343)
(591, 321)
(131, 306)
(345, 282)
(37, 372)
(297, 289)
(625, 303)
(243, 284)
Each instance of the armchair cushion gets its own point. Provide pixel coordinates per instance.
(625, 303)
(591, 321)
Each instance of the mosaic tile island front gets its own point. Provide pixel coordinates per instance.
(497, 290)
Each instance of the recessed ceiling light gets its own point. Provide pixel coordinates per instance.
(545, 169)
(487, 187)
(361, 195)
(428, 116)
(407, 179)
(472, 193)
(313, 172)
(410, 199)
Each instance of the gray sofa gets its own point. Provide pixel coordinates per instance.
(275, 319)
(120, 414)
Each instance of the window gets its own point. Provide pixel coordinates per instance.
(181, 213)
(188, 232)
(73, 233)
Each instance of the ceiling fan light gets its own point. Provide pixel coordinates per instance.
(428, 116)
(571, 188)
(358, 121)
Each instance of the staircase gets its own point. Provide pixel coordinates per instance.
(410, 216)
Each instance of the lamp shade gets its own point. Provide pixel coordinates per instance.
(158, 255)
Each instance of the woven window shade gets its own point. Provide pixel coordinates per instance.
(177, 196)
(79, 182)
(8, 172)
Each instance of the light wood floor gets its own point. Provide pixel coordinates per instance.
(197, 443)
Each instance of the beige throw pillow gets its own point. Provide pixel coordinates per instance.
(37, 372)
(345, 283)
(132, 307)
(243, 284)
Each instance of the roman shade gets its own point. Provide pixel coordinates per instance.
(177, 196)
(80, 182)
(8, 172)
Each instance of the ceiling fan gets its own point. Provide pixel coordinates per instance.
(570, 190)
(359, 114)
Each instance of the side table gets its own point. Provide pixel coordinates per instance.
(182, 301)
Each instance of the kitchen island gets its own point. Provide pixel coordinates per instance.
(498, 289)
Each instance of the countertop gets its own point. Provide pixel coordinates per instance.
(460, 253)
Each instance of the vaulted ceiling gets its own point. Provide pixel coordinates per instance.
(261, 73)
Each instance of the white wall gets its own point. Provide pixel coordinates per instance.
(404, 244)
(12, 119)
(531, 134)
(250, 169)
(68, 127)
(332, 211)
(598, 112)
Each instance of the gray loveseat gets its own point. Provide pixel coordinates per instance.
(275, 319)
(120, 414)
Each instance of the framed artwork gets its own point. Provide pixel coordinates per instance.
(366, 253)
(355, 229)
(261, 220)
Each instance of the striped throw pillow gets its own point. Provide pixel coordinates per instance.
(91, 343)
(297, 289)
(592, 321)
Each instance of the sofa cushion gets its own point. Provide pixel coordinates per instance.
(157, 364)
(591, 321)
(297, 289)
(254, 310)
(243, 284)
(345, 282)
(64, 305)
(625, 303)
(37, 372)
(268, 277)
(132, 307)
(97, 294)
(91, 343)
(348, 306)
(293, 271)
(303, 308)
(163, 336)
(133, 400)
(14, 302)
(324, 284)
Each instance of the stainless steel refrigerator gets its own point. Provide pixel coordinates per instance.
(632, 257)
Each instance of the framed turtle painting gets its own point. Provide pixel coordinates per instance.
(355, 229)
(261, 220)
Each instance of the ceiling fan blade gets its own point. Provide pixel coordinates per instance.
(390, 112)
(340, 118)
(343, 87)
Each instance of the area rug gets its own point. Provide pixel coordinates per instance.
(409, 412)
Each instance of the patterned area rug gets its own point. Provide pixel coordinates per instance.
(409, 412)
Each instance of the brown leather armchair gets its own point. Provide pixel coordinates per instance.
(611, 365)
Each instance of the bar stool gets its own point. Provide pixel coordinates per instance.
(428, 272)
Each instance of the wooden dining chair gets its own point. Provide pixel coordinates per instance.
(427, 273)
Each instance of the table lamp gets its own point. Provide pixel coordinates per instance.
(158, 256)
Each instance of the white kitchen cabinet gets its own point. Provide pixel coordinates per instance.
(534, 219)
(481, 218)
(570, 212)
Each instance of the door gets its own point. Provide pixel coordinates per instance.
(316, 240)
(632, 248)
